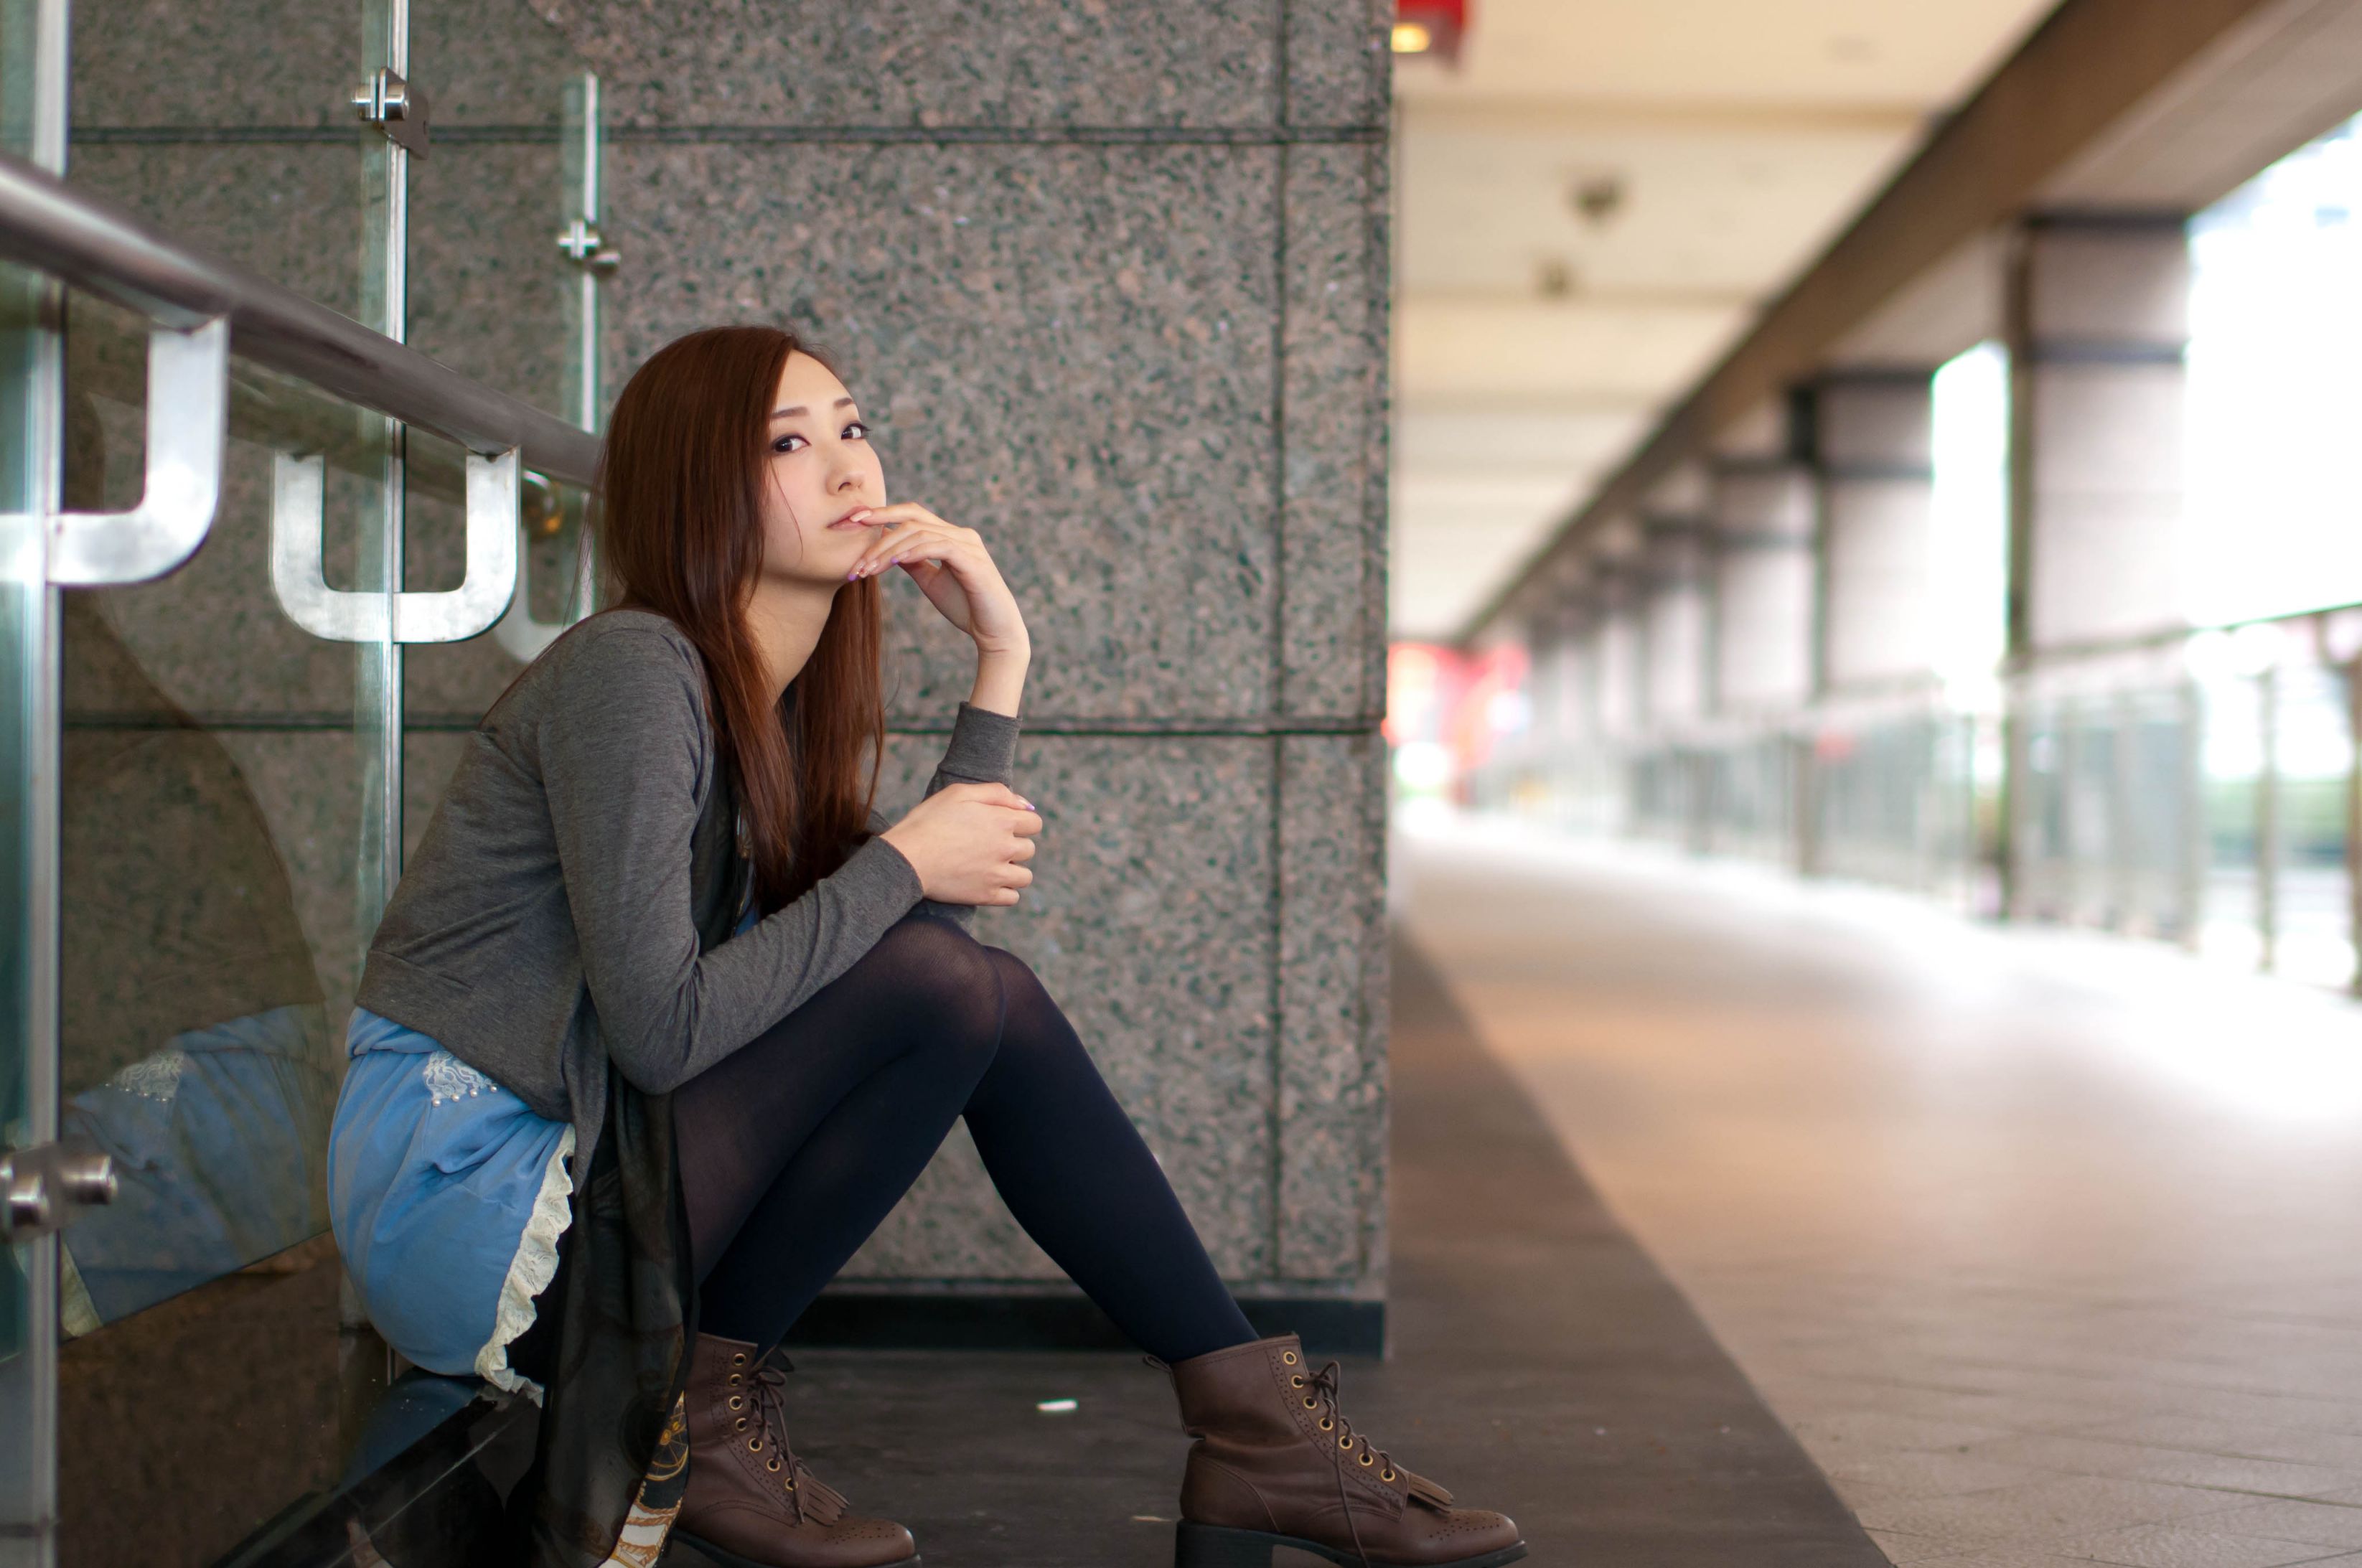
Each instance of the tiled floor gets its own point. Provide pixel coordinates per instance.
(2043, 1244)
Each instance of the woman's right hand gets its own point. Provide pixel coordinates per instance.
(969, 843)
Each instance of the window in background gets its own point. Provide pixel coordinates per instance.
(2273, 506)
(1969, 528)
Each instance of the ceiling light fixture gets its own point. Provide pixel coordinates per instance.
(1433, 27)
(1597, 197)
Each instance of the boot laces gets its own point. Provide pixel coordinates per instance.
(1322, 1388)
(766, 1392)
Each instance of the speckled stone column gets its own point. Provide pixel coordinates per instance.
(1110, 281)
(2099, 331)
(1872, 431)
(1763, 543)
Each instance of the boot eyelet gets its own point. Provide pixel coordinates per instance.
(741, 1425)
(1296, 1383)
(754, 1445)
(1328, 1425)
(1346, 1443)
(1289, 1356)
(791, 1485)
(1310, 1404)
(770, 1464)
(1386, 1475)
(733, 1380)
(738, 1360)
(736, 1402)
(1365, 1457)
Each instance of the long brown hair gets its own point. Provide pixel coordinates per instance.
(680, 530)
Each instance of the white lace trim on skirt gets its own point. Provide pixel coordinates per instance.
(529, 1273)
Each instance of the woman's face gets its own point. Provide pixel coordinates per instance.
(821, 467)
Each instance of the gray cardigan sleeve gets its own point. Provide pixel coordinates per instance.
(624, 759)
(983, 750)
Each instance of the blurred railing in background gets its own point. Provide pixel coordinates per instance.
(2196, 787)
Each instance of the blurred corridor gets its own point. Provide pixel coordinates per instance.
(2041, 1243)
(1997, 540)
(1983, 588)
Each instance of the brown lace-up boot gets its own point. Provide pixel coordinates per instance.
(1276, 1464)
(750, 1502)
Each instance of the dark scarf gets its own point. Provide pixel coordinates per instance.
(612, 1412)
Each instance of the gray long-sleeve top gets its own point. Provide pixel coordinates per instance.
(570, 903)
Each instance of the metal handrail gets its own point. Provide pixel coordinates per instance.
(55, 228)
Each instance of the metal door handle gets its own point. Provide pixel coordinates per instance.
(188, 424)
(298, 527)
(45, 1187)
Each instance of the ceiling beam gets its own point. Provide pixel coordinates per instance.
(1581, 401)
(2090, 63)
(1590, 116)
(1587, 297)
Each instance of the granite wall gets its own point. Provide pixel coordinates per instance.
(1110, 280)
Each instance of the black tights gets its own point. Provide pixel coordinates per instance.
(794, 1147)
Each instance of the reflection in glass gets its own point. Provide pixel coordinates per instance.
(193, 1032)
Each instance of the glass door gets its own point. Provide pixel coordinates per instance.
(225, 810)
(203, 805)
(508, 262)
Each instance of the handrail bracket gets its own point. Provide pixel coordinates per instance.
(188, 428)
(298, 529)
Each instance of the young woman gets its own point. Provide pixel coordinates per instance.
(665, 1017)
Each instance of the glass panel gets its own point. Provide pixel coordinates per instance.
(2095, 823)
(233, 789)
(27, 1337)
(504, 216)
(2232, 711)
(2314, 754)
(31, 84)
(1656, 796)
(225, 817)
(492, 293)
(2044, 870)
(213, 846)
(1758, 805)
(1893, 803)
(27, 1351)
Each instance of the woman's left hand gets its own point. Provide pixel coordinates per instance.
(951, 566)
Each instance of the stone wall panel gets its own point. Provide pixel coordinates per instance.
(1067, 349)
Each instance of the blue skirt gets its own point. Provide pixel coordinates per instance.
(447, 1195)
